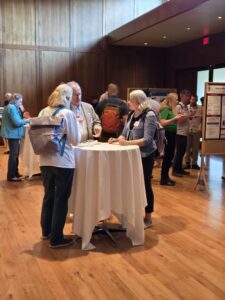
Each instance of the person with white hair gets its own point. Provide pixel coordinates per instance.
(90, 124)
(57, 170)
(13, 131)
(140, 130)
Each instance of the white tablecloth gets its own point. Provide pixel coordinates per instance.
(29, 159)
(109, 179)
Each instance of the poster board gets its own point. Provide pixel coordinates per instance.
(156, 93)
(213, 125)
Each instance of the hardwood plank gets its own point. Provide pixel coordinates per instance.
(183, 256)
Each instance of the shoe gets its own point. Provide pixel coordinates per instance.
(188, 166)
(14, 179)
(167, 182)
(46, 237)
(177, 174)
(147, 223)
(63, 243)
(172, 180)
(195, 166)
(223, 177)
(19, 176)
(185, 172)
(6, 152)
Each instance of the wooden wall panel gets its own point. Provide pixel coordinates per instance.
(120, 68)
(117, 13)
(134, 67)
(20, 76)
(90, 74)
(86, 24)
(193, 55)
(1, 77)
(55, 68)
(1, 23)
(19, 22)
(54, 23)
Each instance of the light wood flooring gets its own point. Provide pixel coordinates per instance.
(183, 256)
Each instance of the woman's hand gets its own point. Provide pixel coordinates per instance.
(112, 140)
(123, 142)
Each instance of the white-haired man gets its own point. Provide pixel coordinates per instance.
(90, 125)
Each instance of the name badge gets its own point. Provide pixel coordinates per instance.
(136, 124)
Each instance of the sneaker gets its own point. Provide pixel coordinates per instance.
(188, 166)
(147, 223)
(63, 243)
(177, 174)
(195, 166)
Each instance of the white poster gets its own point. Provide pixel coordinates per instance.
(215, 89)
(212, 131)
(213, 105)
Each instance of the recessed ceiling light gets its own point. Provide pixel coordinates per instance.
(188, 28)
(219, 17)
(146, 44)
(164, 37)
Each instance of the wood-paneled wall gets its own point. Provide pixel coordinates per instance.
(43, 43)
(183, 61)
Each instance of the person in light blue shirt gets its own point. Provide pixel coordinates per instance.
(13, 130)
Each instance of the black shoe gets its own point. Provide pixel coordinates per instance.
(167, 182)
(185, 172)
(188, 166)
(63, 243)
(195, 166)
(177, 174)
(6, 152)
(14, 179)
(223, 177)
(172, 181)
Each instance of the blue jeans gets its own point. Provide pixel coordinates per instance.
(14, 147)
(57, 183)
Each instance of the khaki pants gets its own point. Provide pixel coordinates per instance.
(193, 143)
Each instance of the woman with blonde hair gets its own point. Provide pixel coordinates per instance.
(57, 170)
(140, 130)
(168, 119)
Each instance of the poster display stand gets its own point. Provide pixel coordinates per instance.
(213, 125)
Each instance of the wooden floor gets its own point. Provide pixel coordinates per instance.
(183, 256)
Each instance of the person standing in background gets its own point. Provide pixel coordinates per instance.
(182, 132)
(194, 134)
(90, 125)
(169, 119)
(13, 130)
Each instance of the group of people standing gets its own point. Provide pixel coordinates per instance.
(137, 126)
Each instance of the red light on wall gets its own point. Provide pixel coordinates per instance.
(205, 41)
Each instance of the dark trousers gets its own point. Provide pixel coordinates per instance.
(168, 154)
(147, 163)
(57, 184)
(13, 162)
(181, 143)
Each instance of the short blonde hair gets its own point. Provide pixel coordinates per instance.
(141, 98)
(61, 96)
(170, 102)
